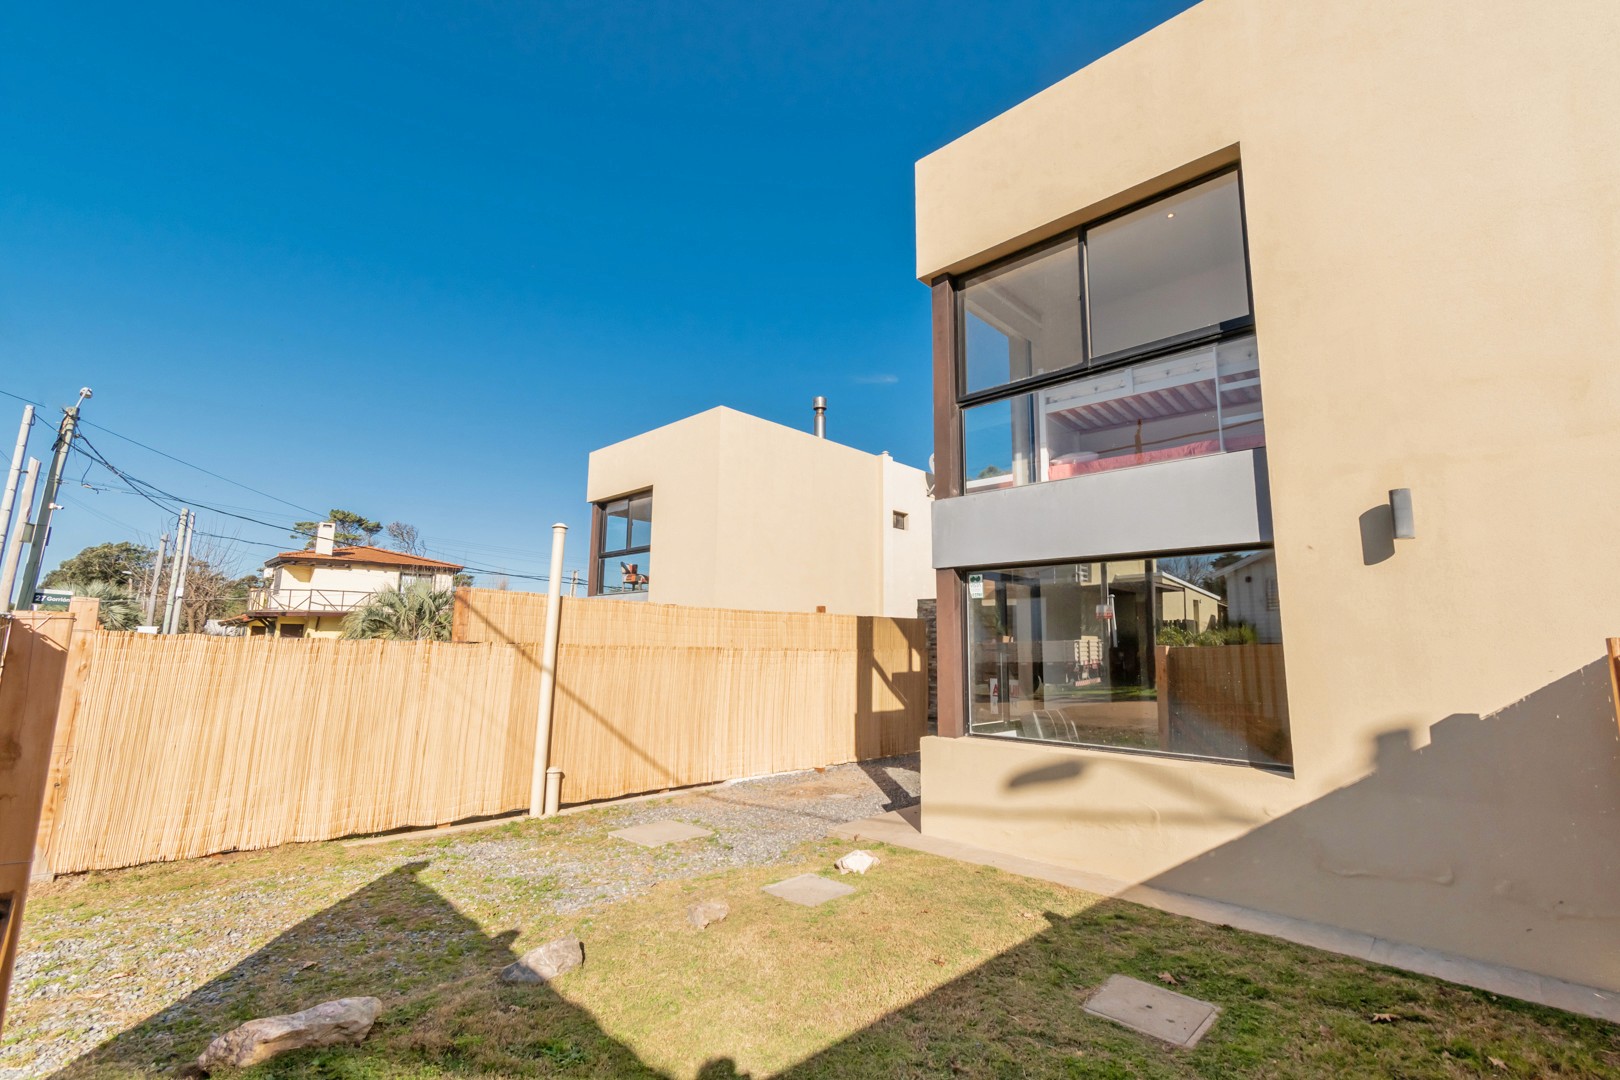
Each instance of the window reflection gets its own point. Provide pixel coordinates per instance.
(1023, 319)
(1173, 266)
(624, 560)
(1176, 654)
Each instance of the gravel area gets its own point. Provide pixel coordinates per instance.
(754, 822)
(169, 946)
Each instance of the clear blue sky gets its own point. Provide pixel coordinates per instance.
(418, 260)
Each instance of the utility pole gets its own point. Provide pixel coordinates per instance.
(573, 585)
(167, 625)
(185, 567)
(149, 605)
(8, 569)
(47, 501)
(9, 500)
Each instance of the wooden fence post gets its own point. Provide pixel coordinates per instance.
(86, 623)
(35, 657)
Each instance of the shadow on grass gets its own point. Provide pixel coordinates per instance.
(445, 1011)
(1287, 1010)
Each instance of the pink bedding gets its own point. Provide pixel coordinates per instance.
(1059, 470)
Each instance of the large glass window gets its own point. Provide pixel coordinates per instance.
(1176, 654)
(1172, 273)
(1023, 318)
(1173, 266)
(624, 563)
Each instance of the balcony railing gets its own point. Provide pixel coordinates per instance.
(1200, 401)
(333, 601)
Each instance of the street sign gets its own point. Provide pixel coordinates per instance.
(52, 599)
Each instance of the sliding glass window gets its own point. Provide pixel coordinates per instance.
(625, 558)
(1173, 654)
(1128, 343)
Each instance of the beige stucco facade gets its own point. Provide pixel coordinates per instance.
(752, 515)
(1432, 199)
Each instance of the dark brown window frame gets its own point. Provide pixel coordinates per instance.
(599, 538)
(1090, 364)
(950, 398)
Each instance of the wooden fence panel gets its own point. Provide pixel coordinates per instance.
(651, 696)
(189, 745)
(1224, 701)
(35, 653)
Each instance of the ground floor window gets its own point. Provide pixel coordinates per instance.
(1178, 654)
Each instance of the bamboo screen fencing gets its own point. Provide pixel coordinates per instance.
(189, 745)
(651, 696)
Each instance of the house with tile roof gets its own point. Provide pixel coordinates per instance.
(309, 593)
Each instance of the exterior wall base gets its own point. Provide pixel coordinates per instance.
(1380, 856)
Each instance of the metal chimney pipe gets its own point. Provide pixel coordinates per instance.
(820, 405)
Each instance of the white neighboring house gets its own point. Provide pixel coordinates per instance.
(1251, 595)
(309, 593)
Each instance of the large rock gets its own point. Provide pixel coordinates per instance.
(550, 960)
(347, 1020)
(709, 911)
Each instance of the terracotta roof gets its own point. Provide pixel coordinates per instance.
(361, 554)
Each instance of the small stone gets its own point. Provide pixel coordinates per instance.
(709, 911)
(856, 862)
(346, 1020)
(550, 960)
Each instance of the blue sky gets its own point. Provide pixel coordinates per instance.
(418, 260)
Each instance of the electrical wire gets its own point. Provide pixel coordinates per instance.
(170, 503)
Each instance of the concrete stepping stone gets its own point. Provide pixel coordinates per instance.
(809, 890)
(659, 833)
(1153, 1010)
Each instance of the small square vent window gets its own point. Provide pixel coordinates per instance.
(899, 520)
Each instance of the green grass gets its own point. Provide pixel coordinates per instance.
(932, 968)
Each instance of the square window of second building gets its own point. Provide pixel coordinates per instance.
(624, 555)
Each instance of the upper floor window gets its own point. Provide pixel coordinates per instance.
(625, 552)
(1127, 342)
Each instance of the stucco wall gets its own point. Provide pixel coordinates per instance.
(752, 515)
(908, 569)
(1434, 234)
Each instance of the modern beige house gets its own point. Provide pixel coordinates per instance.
(753, 515)
(1206, 304)
(309, 593)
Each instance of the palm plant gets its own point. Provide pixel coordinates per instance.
(414, 613)
(119, 609)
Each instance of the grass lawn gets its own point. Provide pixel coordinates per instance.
(931, 968)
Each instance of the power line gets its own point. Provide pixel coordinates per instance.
(155, 495)
(171, 457)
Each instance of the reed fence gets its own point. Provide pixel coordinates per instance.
(189, 745)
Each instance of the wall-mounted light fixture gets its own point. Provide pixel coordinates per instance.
(1400, 509)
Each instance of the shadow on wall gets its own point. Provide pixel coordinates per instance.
(1495, 841)
(399, 940)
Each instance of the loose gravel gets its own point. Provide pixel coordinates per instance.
(160, 945)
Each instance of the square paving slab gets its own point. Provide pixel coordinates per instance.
(1153, 1010)
(809, 889)
(659, 833)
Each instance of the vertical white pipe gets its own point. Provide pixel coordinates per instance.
(548, 675)
(9, 499)
(14, 543)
